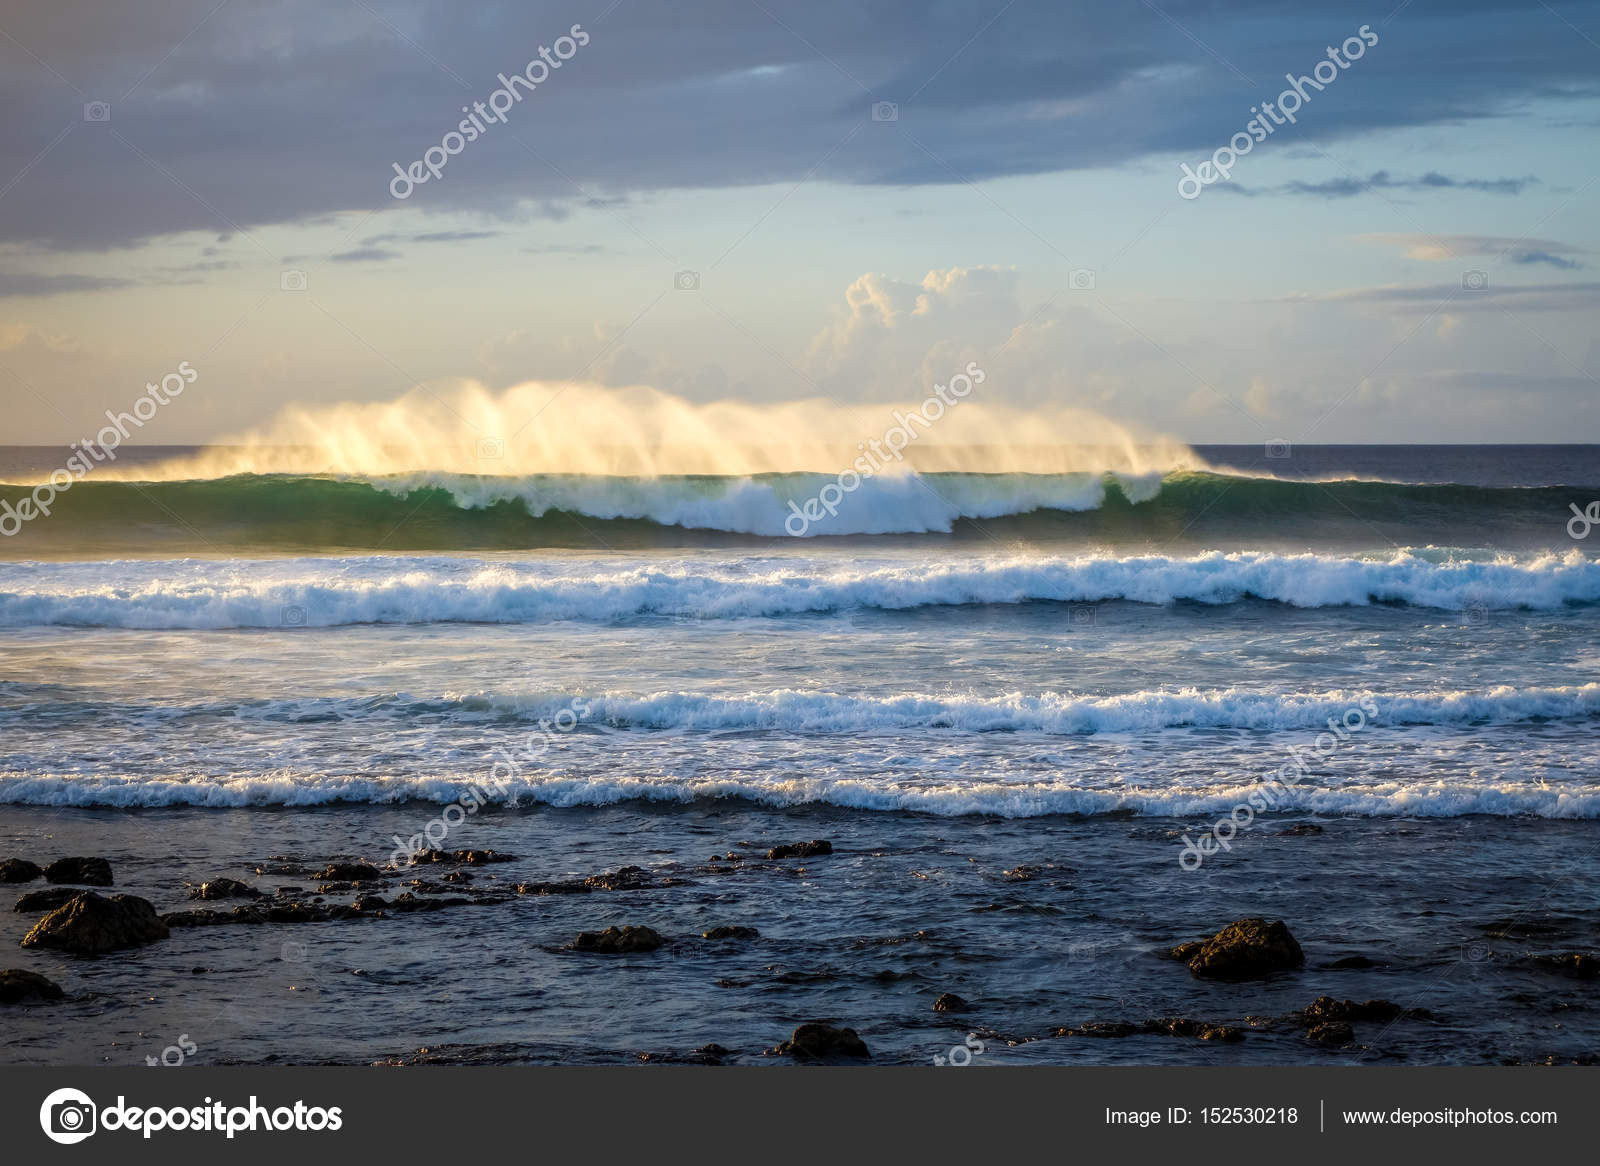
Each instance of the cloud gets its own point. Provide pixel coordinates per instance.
(29, 283)
(1349, 187)
(255, 115)
(365, 255)
(1450, 248)
(1547, 297)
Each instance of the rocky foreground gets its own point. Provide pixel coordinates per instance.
(78, 920)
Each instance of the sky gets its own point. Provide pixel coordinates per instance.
(766, 202)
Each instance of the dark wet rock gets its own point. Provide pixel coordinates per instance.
(336, 888)
(348, 872)
(469, 857)
(618, 940)
(90, 924)
(85, 872)
(370, 903)
(812, 849)
(628, 878)
(1300, 830)
(457, 876)
(1579, 965)
(1354, 961)
(950, 1002)
(1025, 873)
(1103, 1029)
(290, 892)
(47, 900)
(1185, 952)
(820, 1042)
(224, 889)
(731, 932)
(19, 870)
(1198, 1029)
(406, 901)
(1326, 1008)
(1333, 1032)
(18, 984)
(1248, 949)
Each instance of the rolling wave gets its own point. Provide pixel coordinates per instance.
(448, 511)
(291, 593)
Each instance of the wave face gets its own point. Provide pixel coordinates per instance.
(457, 511)
(331, 592)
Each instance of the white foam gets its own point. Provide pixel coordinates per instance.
(321, 592)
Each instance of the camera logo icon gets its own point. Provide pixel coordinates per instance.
(491, 447)
(96, 111)
(1279, 448)
(1080, 279)
(686, 281)
(885, 111)
(67, 1116)
(292, 617)
(292, 281)
(1474, 280)
(1081, 615)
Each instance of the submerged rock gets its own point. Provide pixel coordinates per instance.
(1300, 829)
(19, 870)
(731, 932)
(1577, 964)
(90, 924)
(618, 940)
(817, 846)
(348, 872)
(224, 889)
(950, 1002)
(1354, 961)
(817, 1042)
(1248, 949)
(470, 857)
(17, 984)
(86, 872)
(47, 900)
(1333, 1032)
(1326, 1008)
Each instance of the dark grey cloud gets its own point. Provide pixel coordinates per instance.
(228, 118)
(1349, 187)
(1476, 290)
(365, 255)
(27, 283)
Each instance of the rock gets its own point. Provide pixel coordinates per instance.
(1577, 964)
(348, 872)
(470, 857)
(733, 932)
(1199, 1029)
(1334, 1032)
(91, 924)
(225, 889)
(370, 903)
(47, 900)
(1249, 949)
(1354, 961)
(817, 1042)
(628, 878)
(812, 849)
(86, 872)
(1326, 1008)
(1103, 1029)
(19, 870)
(1185, 952)
(618, 940)
(17, 985)
(950, 1002)
(1299, 830)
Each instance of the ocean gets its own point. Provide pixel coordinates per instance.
(1024, 709)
